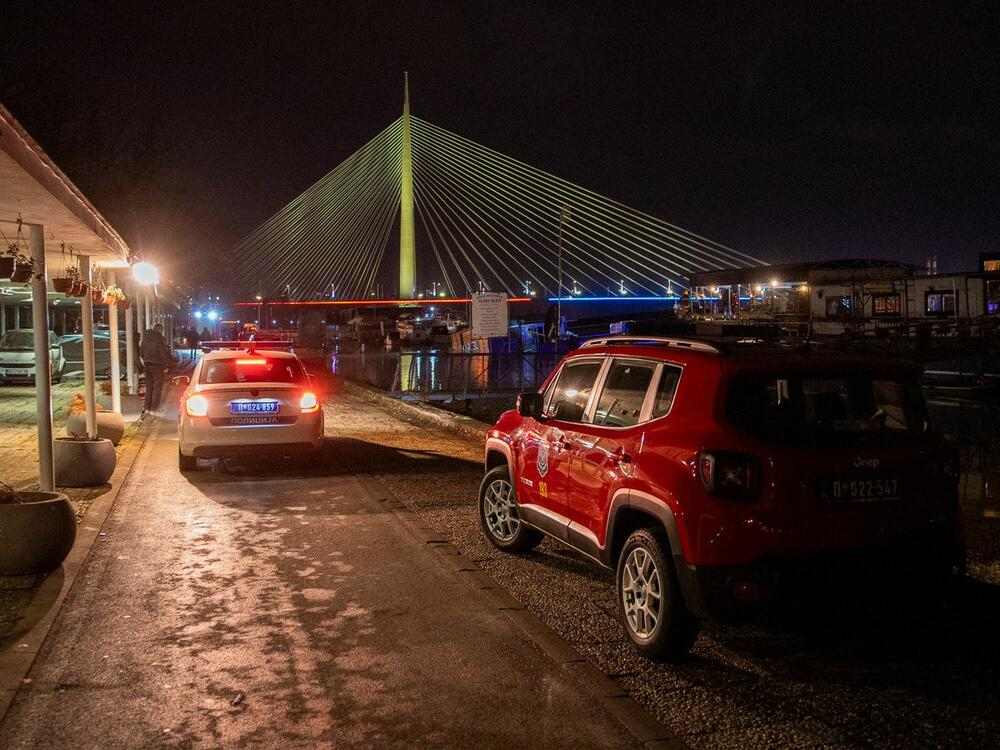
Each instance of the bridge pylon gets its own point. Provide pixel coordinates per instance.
(407, 249)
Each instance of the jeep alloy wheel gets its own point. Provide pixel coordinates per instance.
(642, 593)
(650, 603)
(498, 514)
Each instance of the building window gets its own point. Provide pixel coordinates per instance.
(993, 296)
(884, 305)
(939, 303)
(838, 306)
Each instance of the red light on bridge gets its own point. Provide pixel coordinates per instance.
(368, 302)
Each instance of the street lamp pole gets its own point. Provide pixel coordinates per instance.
(563, 216)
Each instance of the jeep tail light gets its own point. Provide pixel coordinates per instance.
(308, 403)
(728, 474)
(196, 405)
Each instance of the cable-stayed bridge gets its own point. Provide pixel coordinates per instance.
(488, 222)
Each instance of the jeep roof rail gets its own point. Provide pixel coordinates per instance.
(624, 340)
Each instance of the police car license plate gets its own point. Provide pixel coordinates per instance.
(859, 490)
(253, 407)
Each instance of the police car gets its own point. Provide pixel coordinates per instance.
(248, 402)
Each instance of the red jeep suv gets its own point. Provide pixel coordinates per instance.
(707, 475)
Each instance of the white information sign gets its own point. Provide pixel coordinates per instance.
(489, 315)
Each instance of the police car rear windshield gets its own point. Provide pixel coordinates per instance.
(251, 369)
(855, 406)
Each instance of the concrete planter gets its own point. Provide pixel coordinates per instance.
(131, 405)
(110, 425)
(83, 463)
(36, 533)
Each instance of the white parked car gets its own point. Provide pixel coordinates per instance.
(240, 403)
(17, 356)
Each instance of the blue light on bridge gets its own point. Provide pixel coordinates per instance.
(627, 298)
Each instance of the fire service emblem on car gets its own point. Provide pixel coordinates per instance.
(543, 458)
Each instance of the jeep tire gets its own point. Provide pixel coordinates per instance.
(650, 603)
(498, 514)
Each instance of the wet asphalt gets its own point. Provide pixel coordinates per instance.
(268, 604)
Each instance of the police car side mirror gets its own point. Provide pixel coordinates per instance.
(181, 380)
(530, 404)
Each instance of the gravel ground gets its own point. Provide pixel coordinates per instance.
(846, 678)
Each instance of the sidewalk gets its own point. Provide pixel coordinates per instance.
(19, 468)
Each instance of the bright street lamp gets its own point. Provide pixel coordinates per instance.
(145, 273)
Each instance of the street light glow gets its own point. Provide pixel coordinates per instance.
(145, 273)
(213, 315)
(197, 314)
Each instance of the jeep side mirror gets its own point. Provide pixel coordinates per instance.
(530, 404)
(180, 380)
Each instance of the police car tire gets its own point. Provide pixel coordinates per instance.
(676, 629)
(525, 539)
(186, 463)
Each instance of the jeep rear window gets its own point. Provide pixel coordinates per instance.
(794, 408)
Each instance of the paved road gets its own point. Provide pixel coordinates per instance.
(285, 608)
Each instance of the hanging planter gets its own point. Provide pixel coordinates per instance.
(6, 267)
(114, 294)
(22, 272)
(63, 282)
(62, 285)
(79, 289)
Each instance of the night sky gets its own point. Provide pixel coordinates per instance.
(832, 132)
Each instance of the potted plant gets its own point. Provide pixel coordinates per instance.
(7, 263)
(37, 531)
(80, 288)
(110, 424)
(64, 283)
(22, 266)
(115, 294)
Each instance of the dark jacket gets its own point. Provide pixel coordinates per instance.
(153, 349)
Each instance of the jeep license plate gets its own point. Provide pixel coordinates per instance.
(253, 407)
(16, 373)
(859, 490)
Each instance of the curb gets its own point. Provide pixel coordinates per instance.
(647, 730)
(467, 427)
(19, 649)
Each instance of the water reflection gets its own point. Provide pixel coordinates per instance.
(438, 371)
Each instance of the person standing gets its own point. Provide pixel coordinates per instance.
(193, 341)
(155, 362)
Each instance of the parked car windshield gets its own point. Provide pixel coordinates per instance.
(252, 370)
(17, 341)
(794, 408)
